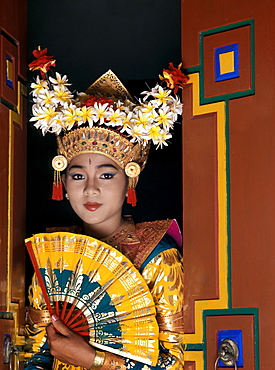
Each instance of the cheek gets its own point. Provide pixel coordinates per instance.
(117, 191)
(73, 189)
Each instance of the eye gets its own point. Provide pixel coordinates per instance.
(107, 176)
(77, 176)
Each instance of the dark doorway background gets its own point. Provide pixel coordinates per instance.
(134, 38)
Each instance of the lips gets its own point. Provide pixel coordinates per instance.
(92, 206)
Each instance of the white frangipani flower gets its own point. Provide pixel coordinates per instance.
(101, 112)
(59, 80)
(151, 92)
(43, 113)
(46, 98)
(71, 115)
(128, 120)
(161, 96)
(175, 105)
(62, 95)
(136, 131)
(58, 123)
(86, 114)
(152, 132)
(149, 108)
(116, 117)
(164, 135)
(141, 118)
(38, 86)
(165, 118)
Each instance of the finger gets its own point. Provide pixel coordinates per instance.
(50, 330)
(60, 326)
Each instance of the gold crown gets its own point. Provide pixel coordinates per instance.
(103, 141)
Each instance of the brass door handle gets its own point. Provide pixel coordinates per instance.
(228, 353)
(10, 351)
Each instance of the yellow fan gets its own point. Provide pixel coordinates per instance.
(97, 292)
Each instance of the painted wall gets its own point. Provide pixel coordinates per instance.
(229, 179)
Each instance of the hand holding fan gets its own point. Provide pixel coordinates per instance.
(97, 292)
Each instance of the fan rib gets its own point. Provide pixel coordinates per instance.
(69, 314)
(84, 327)
(63, 312)
(57, 308)
(83, 333)
(70, 322)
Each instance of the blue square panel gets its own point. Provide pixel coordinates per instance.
(226, 62)
(236, 336)
(9, 71)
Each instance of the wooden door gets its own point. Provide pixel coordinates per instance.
(12, 175)
(229, 180)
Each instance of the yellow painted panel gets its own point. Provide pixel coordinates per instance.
(196, 356)
(222, 302)
(227, 62)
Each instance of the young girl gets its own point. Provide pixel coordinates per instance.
(102, 169)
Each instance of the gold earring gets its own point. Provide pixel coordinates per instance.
(132, 170)
(67, 196)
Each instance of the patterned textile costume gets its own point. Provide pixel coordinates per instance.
(153, 248)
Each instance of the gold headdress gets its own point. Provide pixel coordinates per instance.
(104, 119)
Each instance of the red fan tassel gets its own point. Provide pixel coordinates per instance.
(57, 193)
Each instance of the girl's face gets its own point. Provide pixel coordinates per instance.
(96, 187)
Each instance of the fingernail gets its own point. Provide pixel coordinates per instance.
(55, 317)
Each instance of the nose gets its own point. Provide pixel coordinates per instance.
(92, 187)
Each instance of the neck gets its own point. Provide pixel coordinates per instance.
(99, 231)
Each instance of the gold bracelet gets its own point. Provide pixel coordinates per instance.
(99, 360)
(113, 362)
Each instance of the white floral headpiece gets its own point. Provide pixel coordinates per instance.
(151, 119)
(105, 119)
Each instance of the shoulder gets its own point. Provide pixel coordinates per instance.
(154, 231)
(155, 236)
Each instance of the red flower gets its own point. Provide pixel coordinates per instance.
(97, 99)
(174, 78)
(43, 62)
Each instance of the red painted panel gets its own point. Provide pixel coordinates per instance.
(189, 365)
(18, 209)
(251, 160)
(235, 322)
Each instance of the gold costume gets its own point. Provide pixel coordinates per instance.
(154, 252)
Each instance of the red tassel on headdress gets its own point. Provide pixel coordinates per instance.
(131, 195)
(132, 198)
(57, 193)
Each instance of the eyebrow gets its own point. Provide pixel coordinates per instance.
(107, 165)
(97, 167)
(75, 166)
